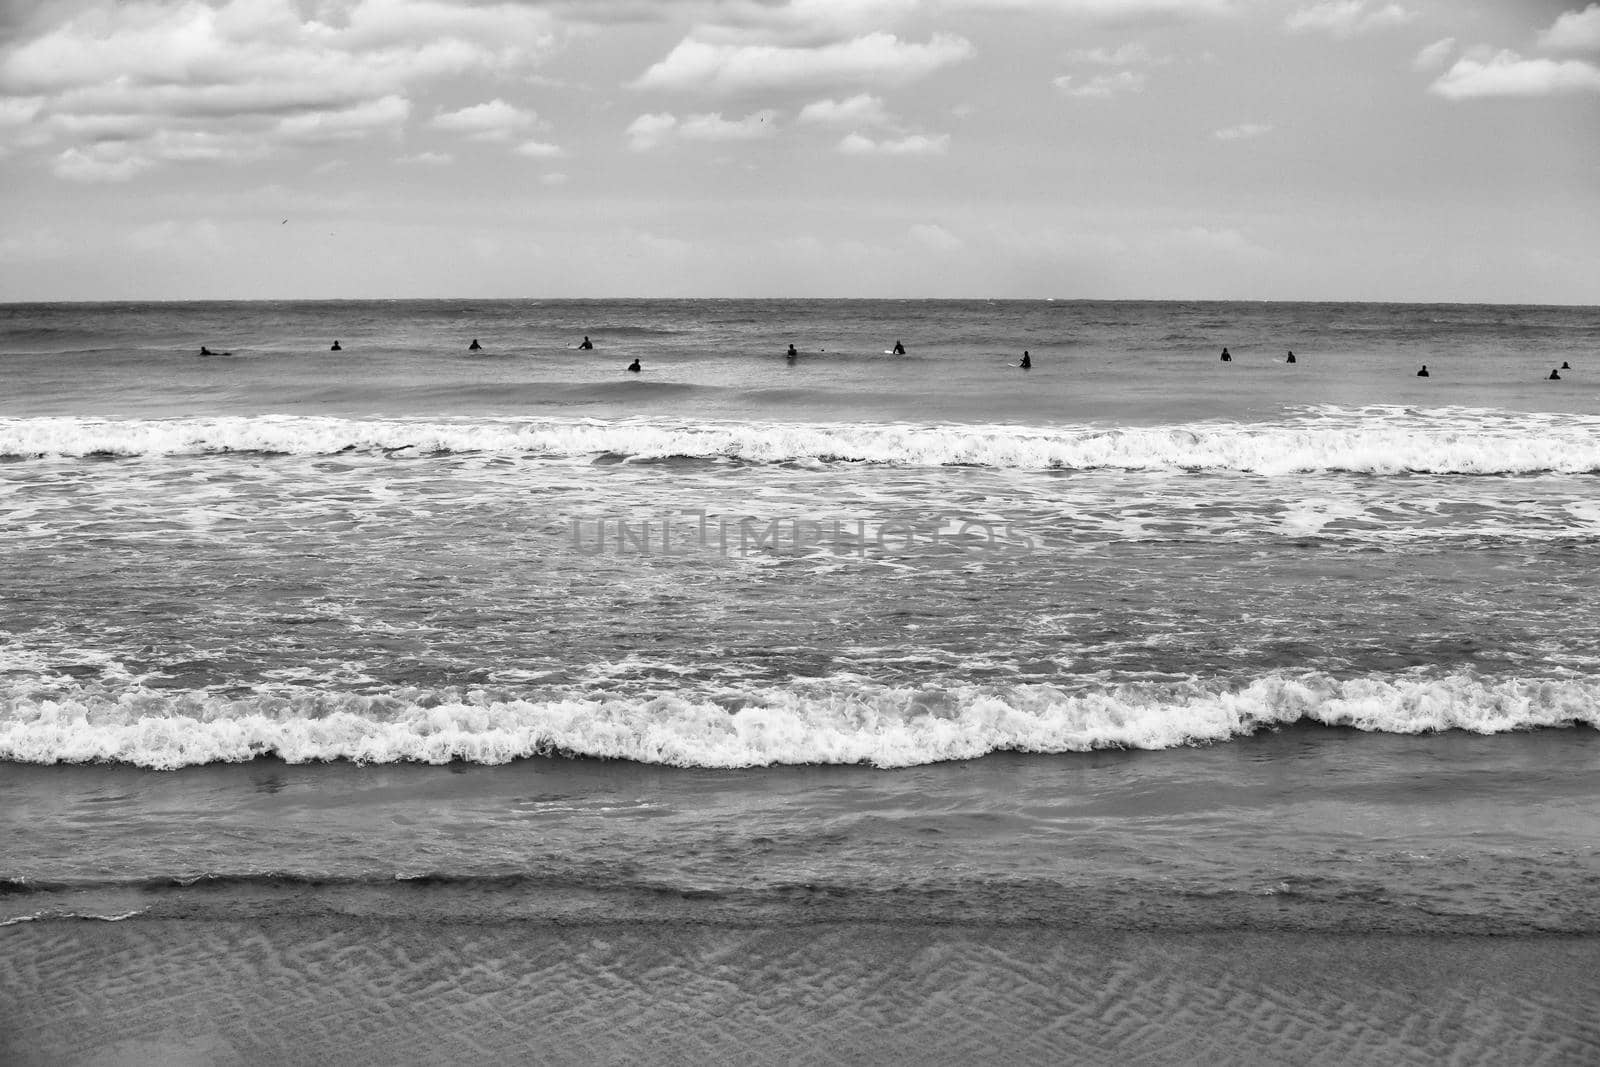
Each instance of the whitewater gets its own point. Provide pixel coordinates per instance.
(1133, 635)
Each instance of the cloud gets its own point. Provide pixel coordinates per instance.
(1128, 55)
(19, 110)
(801, 22)
(1574, 31)
(1242, 132)
(652, 131)
(916, 144)
(429, 159)
(670, 247)
(1205, 240)
(649, 131)
(863, 109)
(183, 237)
(100, 163)
(1508, 74)
(714, 127)
(277, 73)
(1432, 56)
(346, 124)
(539, 150)
(1107, 11)
(492, 121)
(1347, 18)
(1102, 86)
(876, 58)
(935, 238)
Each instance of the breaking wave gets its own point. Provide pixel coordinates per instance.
(1387, 441)
(839, 720)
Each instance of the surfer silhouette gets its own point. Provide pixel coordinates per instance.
(1423, 373)
(587, 344)
(1027, 360)
(792, 352)
(474, 346)
(1290, 359)
(204, 351)
(1226, 358)
(1555, 376)
(634, 366)
(335, 347)
(1565, 365)
(899, 349)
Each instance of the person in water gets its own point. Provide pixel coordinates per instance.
(474, 346)
(1423, 373)
(587, 344)
(899, 349)
(335, 347)
(1226, 358)
(792, 352)
(1555, 376)
(1291, 358)
(1027, 360)
(1565, 365)
(204, 351)
(634, 366)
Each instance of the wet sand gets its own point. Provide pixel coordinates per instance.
(329, 990)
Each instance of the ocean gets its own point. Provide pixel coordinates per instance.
(1133, 639)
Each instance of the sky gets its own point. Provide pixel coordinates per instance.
(1415, 150)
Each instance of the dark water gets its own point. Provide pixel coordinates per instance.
(1133, 634)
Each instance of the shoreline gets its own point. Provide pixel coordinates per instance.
(288, 989)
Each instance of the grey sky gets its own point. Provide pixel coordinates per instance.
(1246, 149)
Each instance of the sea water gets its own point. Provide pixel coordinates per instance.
(1132, 636)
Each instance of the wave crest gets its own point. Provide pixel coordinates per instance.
(1444, 442)
(840, 720)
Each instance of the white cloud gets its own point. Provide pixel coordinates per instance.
(1508, 74)
(272, 72)
(876, 58)
(99, 163)
(654, 130)
(1110, 11)
(1432, 56)
(916, 144)
(1127, 55)
(429, 159)
(801, 22)
(1242, 132)
(371, 116)
(539, 150)
(1574, 31)
(19, 110)
(714, 127)
(1347, 18)
(492, 121)
(648, 131)
(863, 109)
(1101, 85)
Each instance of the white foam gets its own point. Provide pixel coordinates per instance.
(837, 720)
(1443, 442)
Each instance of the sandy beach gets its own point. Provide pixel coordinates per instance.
(378, 992)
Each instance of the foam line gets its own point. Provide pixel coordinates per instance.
(841, 720)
